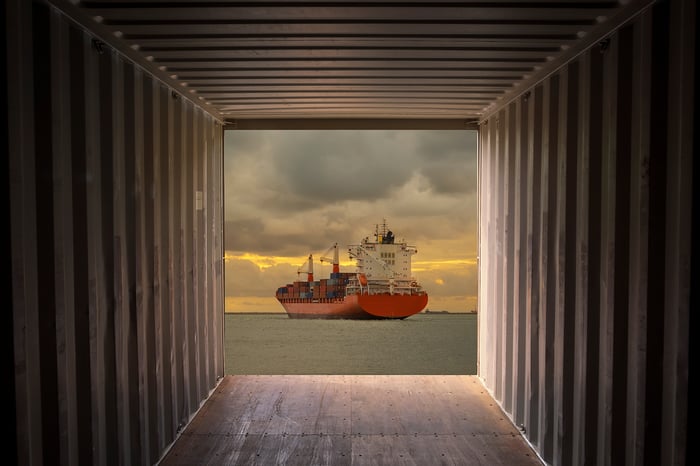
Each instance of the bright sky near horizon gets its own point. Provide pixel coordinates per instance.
(288, 194)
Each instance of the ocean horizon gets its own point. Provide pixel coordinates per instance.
(270, 343)
(284, 312)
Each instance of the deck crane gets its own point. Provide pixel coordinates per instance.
(308, 269)
(334, 260)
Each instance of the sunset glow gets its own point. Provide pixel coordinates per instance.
(289, 194)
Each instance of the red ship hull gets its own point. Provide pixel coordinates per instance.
(377, 306)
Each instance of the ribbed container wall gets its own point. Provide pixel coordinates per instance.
(115, 189)
(585, 248)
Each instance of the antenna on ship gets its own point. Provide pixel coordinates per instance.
(384, 235)
(379, 233)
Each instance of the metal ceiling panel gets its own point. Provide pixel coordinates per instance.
(340, 59)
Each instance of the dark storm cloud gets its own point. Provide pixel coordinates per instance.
(290, 191)
(251, 235)
(342, 165)
(301, 171)
(448, 160)
(254, 236)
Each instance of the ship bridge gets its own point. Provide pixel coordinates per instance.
(115, 114)
(383, 260)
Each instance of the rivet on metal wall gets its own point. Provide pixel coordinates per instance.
(604, 44)
(98, 45)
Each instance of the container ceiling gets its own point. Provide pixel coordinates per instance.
(338, 59)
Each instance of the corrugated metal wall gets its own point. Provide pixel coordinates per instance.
(585, 248)
(114, 199)
(115, 189)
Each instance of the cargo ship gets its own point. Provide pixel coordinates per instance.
(381, 287)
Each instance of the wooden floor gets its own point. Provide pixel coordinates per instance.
(309, 420)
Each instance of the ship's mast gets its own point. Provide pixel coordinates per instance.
(380, 233)
(335, 260)
(309, 269)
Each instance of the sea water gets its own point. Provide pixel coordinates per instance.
(423, 344)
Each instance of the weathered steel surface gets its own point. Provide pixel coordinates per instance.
(107, 269)
(444, 60)
(612, 268)
(115, 118)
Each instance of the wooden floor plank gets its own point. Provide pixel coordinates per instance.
(350, 420)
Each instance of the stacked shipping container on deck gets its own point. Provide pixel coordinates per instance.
(325, 288)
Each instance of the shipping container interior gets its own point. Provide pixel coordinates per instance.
(588, 203)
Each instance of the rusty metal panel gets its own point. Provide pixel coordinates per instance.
(603, 241)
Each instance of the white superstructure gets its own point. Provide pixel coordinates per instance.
(384, 264)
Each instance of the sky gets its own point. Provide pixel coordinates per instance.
(291, 193)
